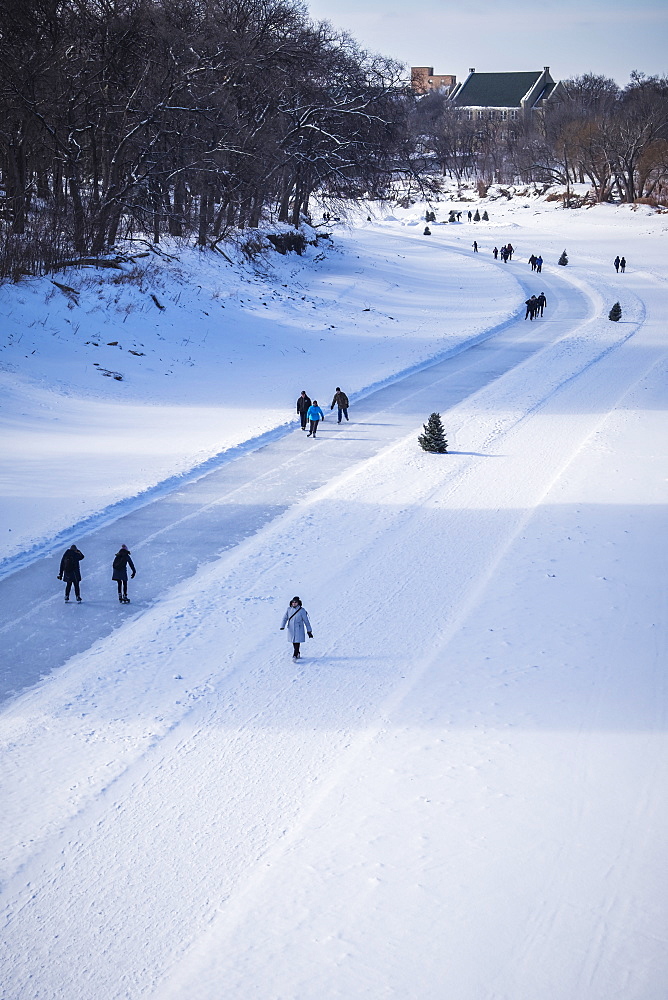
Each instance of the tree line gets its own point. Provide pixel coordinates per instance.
(186, 117)
(197, 118)
(615, 139)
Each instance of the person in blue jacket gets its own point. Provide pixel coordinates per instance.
(315, 414)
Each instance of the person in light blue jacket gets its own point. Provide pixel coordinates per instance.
(298, 623)
(315, 414)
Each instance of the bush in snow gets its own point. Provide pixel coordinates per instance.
(615, 313)
(433, 438)
(563, 260)
(485, 216)
(476, 217)
(285, 242)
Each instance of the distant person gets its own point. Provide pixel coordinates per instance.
(315, 414)
(297, 622)
(427, 231)
(495, 251)
(341, 401)
(470, 215)
(531, 307)
(532, 261)
(542, 302)
(622, 265)
(303, 404)
(510, 250)
(70, 571)
(539, 264)
(617, 262)
(120, 565)
(475, 247)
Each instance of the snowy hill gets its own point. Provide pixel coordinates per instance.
(458, 791)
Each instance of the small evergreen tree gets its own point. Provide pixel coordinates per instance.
(615, 313)
(433, 438)
(476, 217)
(563, 260)
(485, 216)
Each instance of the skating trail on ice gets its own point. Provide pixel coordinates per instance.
(458, 791)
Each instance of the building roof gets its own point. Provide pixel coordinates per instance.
(496, 90)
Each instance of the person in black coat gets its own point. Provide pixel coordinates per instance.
(120, 572)
(70, 571)
(303, 404)
(341, 401)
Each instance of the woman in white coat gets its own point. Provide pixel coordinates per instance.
(298, 625)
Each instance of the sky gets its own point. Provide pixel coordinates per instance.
(607, 37)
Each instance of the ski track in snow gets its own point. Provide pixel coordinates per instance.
(217, 821)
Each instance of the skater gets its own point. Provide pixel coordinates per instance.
(297, 622)
(539, 264)
(475, 247)
(314, 415)
(70, 571)
(622, 265)
(531, 307)
(340, 400)
(120, 572)
(541, 302)
(617, 263)
(495, 251)
(303, 404)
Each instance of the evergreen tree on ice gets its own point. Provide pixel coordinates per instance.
(563, 260)
(485, 216)
(433, 438)
(476, 217)
(615, 313)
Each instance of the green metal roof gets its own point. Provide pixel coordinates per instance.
(495, 90)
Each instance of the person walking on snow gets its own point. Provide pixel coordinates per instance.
(541, 302)
(120, 572)
(539, 264)
(303, 404)
(70, 571)
(314, 415)
(616, 262)
(622, 265)
(495, 251)
(531, 307)
(340, 400)
(475, 247)
(297, 622)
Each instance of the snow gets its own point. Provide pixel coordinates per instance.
(458, 791)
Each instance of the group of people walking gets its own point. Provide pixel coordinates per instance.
(620, 264)
(536, 263)
(535, 304)
(505, 253)
(70, 572)
(310, 413)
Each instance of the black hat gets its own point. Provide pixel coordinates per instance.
(296, 599)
